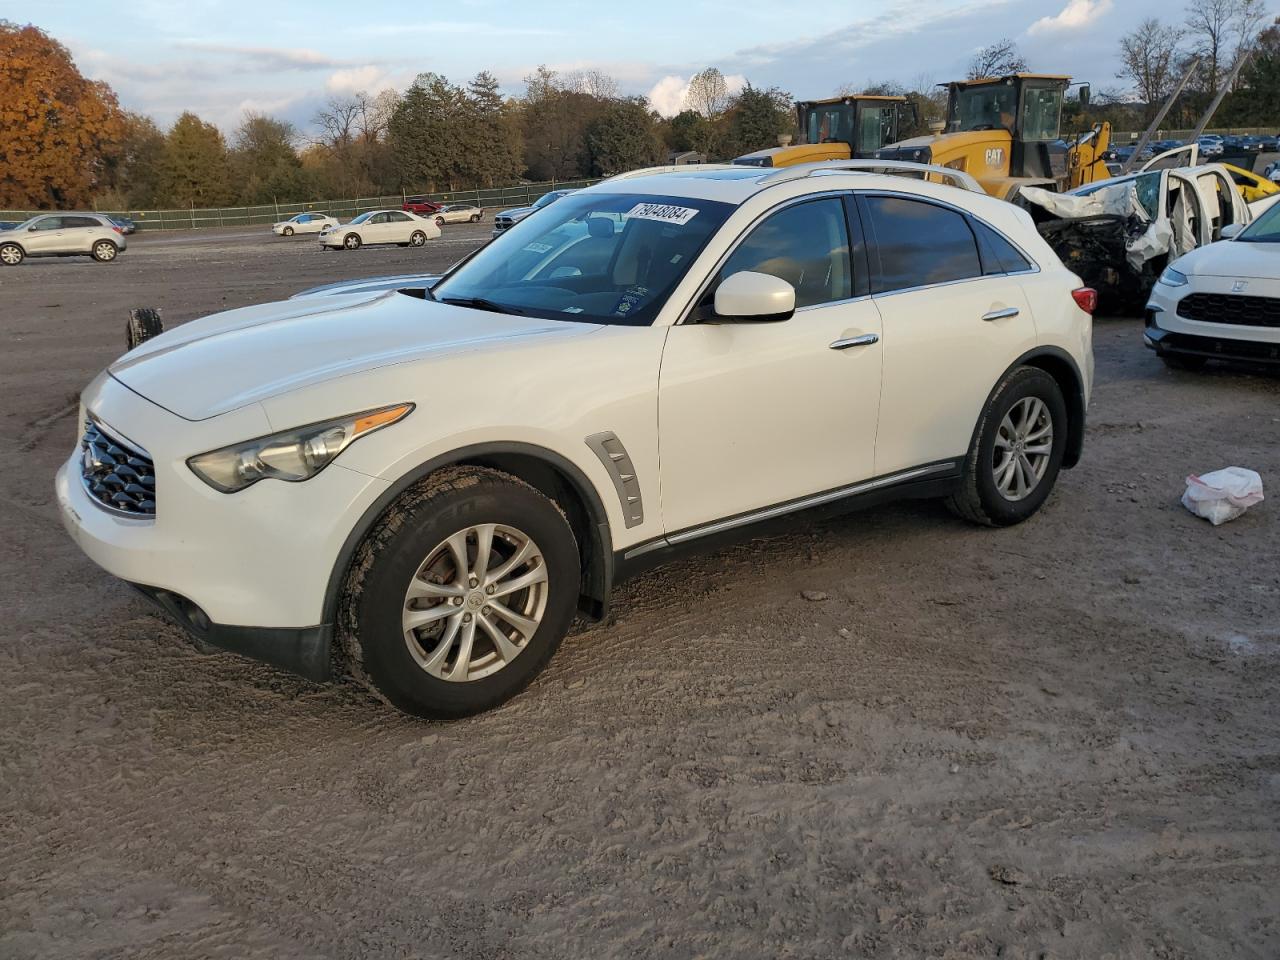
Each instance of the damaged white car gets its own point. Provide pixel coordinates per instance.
(1119, 234)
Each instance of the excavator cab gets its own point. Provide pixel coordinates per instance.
(838, 128)
(1006, 133)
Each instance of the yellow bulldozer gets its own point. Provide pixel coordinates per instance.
(1003, 131)
(839, 128)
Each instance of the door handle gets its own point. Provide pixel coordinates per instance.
(1004, 314)
(844, 343)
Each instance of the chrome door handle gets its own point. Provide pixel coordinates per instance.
(863, 341)
(1004, 314)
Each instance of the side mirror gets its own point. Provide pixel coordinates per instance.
(755, 296)
(1232, 230)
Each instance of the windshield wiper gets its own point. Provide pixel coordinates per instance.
(480, 303)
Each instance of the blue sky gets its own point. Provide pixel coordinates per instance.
(221, 57)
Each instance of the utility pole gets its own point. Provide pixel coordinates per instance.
(1163, 112)
(1230, 82)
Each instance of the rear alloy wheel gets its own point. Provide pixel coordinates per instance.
(475, 218)
(11, 254)
(418, 238)
(460, 594)
(351, 241)
(287, 231)
(439, 221)
(1017, 451)
(104, 251)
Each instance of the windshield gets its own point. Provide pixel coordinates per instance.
(992, 106)
(597, 258)
(1147, 186)
(1266, 229)
(364, 216)
(1041, 113)
(830, 123)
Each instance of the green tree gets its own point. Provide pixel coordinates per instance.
(195, 169)
(623, 137)
(757, 118)
(265, 164)
(428, 132)
(492, 134)
(690, 130)
(131, 175)
(554, 122)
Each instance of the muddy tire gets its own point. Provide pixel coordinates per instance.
(460, 594)
(1016, 453)
(1176, 361)
(144, 323)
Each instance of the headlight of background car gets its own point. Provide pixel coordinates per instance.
(292, 455)
(1172, 278)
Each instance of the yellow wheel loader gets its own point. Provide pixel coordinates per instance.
(838, 128)
(1006, 133)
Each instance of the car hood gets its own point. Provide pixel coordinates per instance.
(515, 212)
(1233, 258)
(226, 361)
(372, 285)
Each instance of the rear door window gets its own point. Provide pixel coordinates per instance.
(918, 244)
(78, 222)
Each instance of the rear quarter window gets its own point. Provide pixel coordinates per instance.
(919, 244)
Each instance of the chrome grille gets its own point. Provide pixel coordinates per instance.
(1232, 308)
(120, 477)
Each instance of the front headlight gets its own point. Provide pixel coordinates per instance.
(293, 455)
(1172, 278)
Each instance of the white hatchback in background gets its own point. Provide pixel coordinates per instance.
(63, 235)
(1221, 301)
(439, 480)
(303, 223)
(380, 226)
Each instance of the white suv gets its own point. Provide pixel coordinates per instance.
(63, 235)
(439, 480)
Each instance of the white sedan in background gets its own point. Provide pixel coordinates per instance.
(1221, 301)
(303, 223)
(458, 213)
(380, 226)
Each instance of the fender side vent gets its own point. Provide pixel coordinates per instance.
(617, 462)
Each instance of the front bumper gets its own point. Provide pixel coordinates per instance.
(1166, 332)
(246, 571)
(1215, 347)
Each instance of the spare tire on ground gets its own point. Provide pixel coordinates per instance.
(144, 323)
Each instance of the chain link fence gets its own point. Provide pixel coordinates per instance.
(196, 218)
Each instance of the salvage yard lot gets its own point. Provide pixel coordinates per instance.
(887, 735)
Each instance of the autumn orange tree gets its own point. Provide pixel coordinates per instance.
(56, 126)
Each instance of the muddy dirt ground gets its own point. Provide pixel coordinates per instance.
(1059, 740)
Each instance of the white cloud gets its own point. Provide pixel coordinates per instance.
(667, 95)
(369, 78)
(1075, 15)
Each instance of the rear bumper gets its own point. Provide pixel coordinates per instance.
(1215, 347)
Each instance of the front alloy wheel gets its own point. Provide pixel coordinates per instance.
(418, 238)
(287, 231)
(351, 241)
(460, 594)
(475, 603)
(11, 254)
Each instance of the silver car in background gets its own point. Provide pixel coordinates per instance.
(63, 235)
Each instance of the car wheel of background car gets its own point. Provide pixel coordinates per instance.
(144, 323)
(1016, 453)
(287, 231)
(11, 254)
(1175, 362)
(439, 221)
(418, 238)
(475, 218)
(104, 251)
(460, 594)
(351, 241)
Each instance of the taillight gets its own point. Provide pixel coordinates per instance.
(1086, 299)
(118, 230)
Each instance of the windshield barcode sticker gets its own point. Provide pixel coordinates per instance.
(662, 212)
(537, 247)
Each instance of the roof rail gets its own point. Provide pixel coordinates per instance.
(903, 167)
(671, 168)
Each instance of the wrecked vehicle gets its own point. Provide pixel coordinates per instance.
(1118, 235)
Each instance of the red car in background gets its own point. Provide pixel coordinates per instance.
(419, 205)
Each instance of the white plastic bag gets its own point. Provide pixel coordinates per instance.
(1222, 495)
